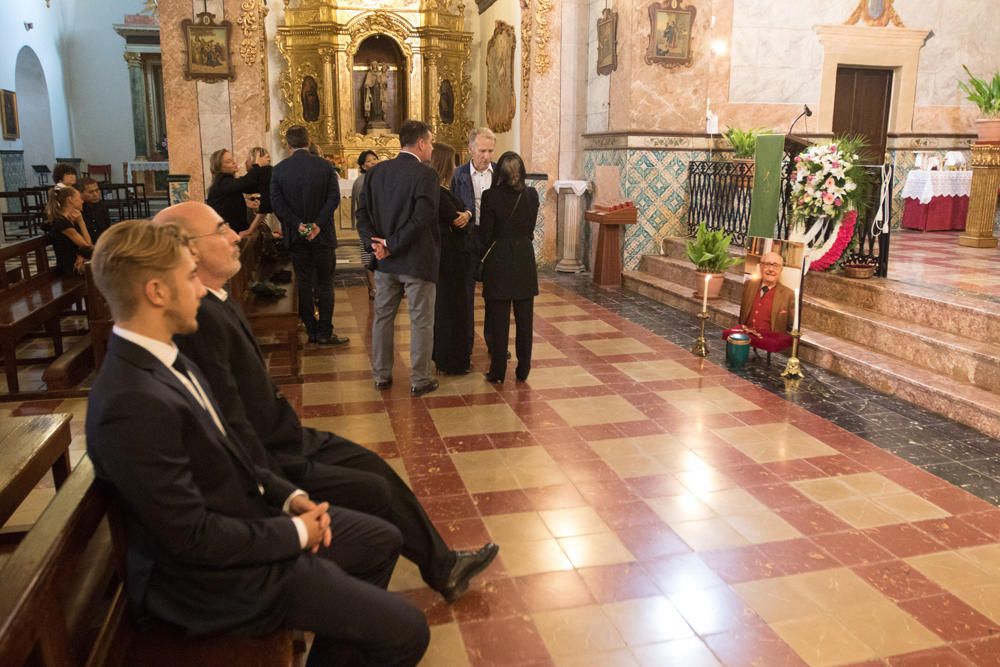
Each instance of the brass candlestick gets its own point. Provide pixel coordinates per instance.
(793, 369)
(700, 347)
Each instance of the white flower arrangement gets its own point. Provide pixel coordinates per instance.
(824, 182)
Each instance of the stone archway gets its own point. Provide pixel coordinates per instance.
(35, 113)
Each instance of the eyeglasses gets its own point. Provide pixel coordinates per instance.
(254, 197)
(220, 231)
(771, 265)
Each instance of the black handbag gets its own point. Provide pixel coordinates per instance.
(480, 265)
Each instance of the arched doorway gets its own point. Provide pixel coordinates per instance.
(35, 113)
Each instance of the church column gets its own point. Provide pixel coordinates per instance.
(432, 88)
(329, 56)
(137, 87)
(983, 198)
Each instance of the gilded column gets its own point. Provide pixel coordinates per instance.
(983, 198)
(328, 54)
(137, 87)
(432, 88)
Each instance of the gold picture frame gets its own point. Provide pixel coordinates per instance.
(207, 56)
(501, 104)
(607, 42)
(11, 125)
(671, 28)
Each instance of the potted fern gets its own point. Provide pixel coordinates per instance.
(986, 96)
(709, 252)
(744, 142)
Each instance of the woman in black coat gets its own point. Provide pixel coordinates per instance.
(452, 315)
(507, 225)
(225, 194)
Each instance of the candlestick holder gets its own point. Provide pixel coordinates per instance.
(793, 369)
(700, 346)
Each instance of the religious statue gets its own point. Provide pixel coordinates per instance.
(446, 102)
(310, 99)
(376, 86)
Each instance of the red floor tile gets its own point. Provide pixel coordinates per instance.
(898, 581)
(651, 542)
(490, 600)
(904, 540)
(714, 610)
(625, 581)
(935, 657)
(950, 618)
(505, 641)
(741, 564)
(752, 647)
(954, 533)
(554, 590)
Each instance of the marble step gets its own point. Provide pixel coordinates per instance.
(937, 393)
(721, 311)
(957, 357)
(682, 272)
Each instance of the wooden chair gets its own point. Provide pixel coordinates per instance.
(116, 198)
(104, 170)
(16, 212)
(35, 200)
(136, 193)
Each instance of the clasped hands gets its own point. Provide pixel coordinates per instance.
(316, 520)
(306, 233)
(380, 248)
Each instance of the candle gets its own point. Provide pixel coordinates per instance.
(795, 324)
(704, 296)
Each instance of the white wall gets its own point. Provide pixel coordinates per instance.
(508, 11)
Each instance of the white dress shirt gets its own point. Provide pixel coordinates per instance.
(481, 181)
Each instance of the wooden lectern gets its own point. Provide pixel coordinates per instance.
(608, 259)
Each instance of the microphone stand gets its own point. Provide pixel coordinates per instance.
(806, 111)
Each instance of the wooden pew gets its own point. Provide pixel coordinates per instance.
(29, 448)
(31, 298)
(62, 602)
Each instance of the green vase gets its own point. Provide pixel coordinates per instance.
(737, 350)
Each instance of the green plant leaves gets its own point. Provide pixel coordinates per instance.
(709, 250)
(985, 95)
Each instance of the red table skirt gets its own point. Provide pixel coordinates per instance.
(941, 214)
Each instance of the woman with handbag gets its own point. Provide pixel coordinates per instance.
(510, 278)
(452, 315)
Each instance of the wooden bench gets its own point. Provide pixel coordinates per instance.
(62, 602)
(32, 298)
(268, 315)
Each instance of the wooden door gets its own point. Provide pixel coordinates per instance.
(861, 106)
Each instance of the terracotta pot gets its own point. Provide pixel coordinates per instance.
(859, 270)
(988, 130)
(714, 284)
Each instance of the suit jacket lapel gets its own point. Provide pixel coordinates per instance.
(232, 310)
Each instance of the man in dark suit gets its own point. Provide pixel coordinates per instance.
(329, 467)
(217, 544)
(397, 217)
(468, 184)
(304, 194)
(95, 212)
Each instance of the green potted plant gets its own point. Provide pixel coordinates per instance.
(986, 96)
(744, 142)
(709, 252)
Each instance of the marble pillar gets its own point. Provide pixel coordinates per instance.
(137, 88)
(248, 98)
(983, 198)
(572, 203)
(180, 98)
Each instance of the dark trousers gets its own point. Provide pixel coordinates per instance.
(497, 329)
(348, 475)
(341, 596)
(314, 264)
(470, 303)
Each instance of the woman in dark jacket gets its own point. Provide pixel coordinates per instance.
(507, 224)
(225, 194)
(452, 315)
(366, 160)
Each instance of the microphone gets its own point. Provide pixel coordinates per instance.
(806, 111)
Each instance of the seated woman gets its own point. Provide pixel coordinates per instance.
(508, 213)
(767, 307)
(226, 192)
(67, 230)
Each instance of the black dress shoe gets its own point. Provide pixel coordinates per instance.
(492, 379)
(424, 388)
(333, 339)
(381, 385)
(467, 565)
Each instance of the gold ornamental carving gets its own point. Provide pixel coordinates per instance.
(543, 61)
(985, 155)
(379, 22)
(253, 47)
(527, 25)
(982, 198)
(133, 59)
(876, 13)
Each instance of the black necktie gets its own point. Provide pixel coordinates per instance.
(764, 289)
(180, 366)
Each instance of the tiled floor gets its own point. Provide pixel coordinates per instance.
(655, 509)
(935, 259)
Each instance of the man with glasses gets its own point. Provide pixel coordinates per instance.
(767, 307)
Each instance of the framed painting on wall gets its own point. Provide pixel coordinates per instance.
(11, 128)
(207, 42)
(670, 28)
(500, 101)
(607, 42)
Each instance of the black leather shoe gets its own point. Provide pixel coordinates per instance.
(492, 379)
(424, 388)
(467, 565)
(333, 339)
(381, 385)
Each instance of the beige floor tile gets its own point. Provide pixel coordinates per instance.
(743, 435)
(835, 588)
(911, 507)
(732, 501)
(697, 408)
(985, 599)
(339, 391)
(462, 385)
(544, 351)
(986, 557)
(952, 570)
(525, 456)
(708, 534)
(484, 480)
(639, 465)
(531, 477)
(594, 550)
(579, 631)
(682, 460)
(521, 558)
(353, 361)
(446, 648)
(783, 450)
(652, 371)
(596, 410)
(581, 327)
(863, 512)
(687, 652)
(703, 479)
(561, 376)
(762, 527)
(708, 400)
(620, 657)
(647, 620)
(363, 429)
(647, 444)
(822, 641)
(475, 419)
(574, 521)
(548, 297)
(871, 484)
(486, 459)
(682, 507)
(825, 489)
(611, 346)
(405, 576)
(777, 599)
(517, 527)
(558, 310)
(886, 628)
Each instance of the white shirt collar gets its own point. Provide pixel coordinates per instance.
(403, 150)
(474, 171)
(220, 294)
(165, 352)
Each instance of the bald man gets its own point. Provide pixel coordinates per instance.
(767, 307)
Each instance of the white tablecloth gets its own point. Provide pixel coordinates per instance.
(147, 165)
(925, 185)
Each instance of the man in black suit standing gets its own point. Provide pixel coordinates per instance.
(397, 217)
(304, 194)
(217, 544)
(329, 467)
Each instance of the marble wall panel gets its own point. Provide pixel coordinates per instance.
(246, 98)
(180, 98)
(598, 86)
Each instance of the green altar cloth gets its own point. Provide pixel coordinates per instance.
(766, 185)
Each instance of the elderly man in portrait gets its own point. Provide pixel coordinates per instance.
(767, 307)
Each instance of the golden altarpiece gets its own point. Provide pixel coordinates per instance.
(354, 71)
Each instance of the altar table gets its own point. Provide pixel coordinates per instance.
(936, 200)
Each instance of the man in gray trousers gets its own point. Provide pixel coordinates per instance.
(397, 217)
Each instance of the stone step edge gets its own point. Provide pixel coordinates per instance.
(734, 273)
(723, 312)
